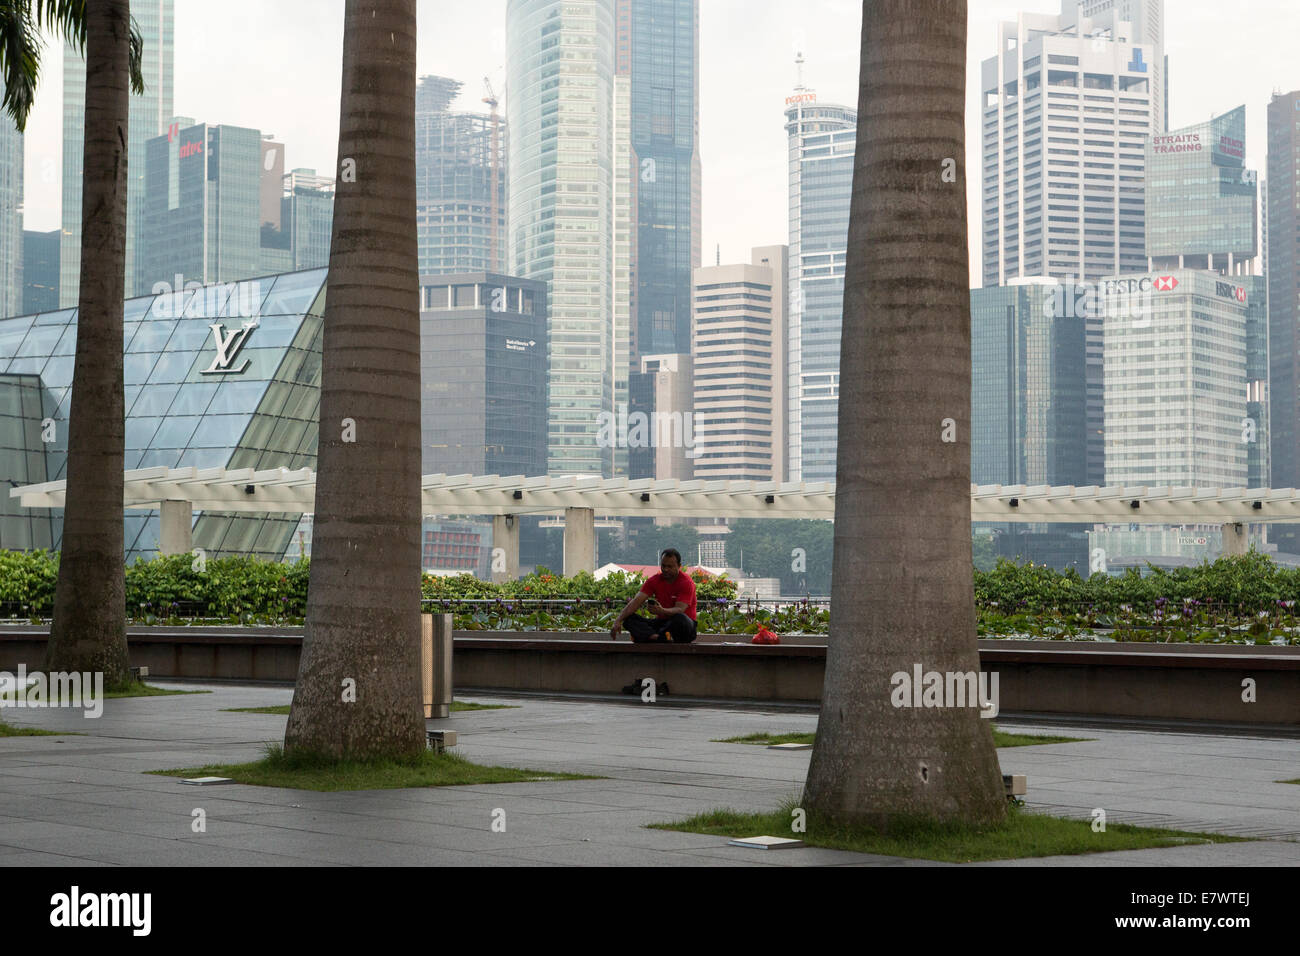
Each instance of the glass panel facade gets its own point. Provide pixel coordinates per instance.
(184, 408)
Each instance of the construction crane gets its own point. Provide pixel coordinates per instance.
(495, 214)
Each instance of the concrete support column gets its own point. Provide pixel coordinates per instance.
(579, 540)
(176, 530)
(505, 548)
(1236, 538)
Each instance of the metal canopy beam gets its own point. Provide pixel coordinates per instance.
(281, 490)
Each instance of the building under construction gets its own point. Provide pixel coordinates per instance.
(460, 181)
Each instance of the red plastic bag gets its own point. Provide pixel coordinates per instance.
(764, 636)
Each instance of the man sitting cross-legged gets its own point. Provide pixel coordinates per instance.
(673, 608)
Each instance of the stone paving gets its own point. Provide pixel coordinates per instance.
(87, 801)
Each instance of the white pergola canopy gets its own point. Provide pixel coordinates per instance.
(282, 490)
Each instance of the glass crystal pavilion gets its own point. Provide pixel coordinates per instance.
(218, 376)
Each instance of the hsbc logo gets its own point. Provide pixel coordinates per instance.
(1166, 283)
(1229, 291)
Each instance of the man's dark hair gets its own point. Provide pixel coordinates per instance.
(670, 553)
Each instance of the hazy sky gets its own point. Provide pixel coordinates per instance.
(275, 65)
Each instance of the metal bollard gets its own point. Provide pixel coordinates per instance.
(435, 664)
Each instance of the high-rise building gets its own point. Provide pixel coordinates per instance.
(1177, 376)
(1027, 386)
(564, 197)
(307, 218)
(1284, 288)
(1068, 103)
(40, 271)
(1201, 208)
(483, 375)
(11, 218)
(658, 49)
(216, 210)
(460, 180)
(1186, 340)
(822, 138)
(149, 116)
(661, 416)
(738, 340)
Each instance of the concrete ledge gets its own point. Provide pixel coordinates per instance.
(1159, 681)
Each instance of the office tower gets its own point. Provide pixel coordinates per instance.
(562, 214)
(661, 417)
(460, 182)
(658, 48)
(40, 271)
(1068, 102)
(1284, 287)
(307, 218)
(11, 218)
(821, 138)
(1186, 341)
(483, 375)
(738, 339)
(1200, 199)
(1027, 386)
(1176, 377)
(215, 209)
(149, 115)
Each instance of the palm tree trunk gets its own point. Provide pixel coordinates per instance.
(363, 603)
(902, 588)
(88, 632)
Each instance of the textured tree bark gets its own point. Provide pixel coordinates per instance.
(88, 632)
(358, 692)
(902, 583)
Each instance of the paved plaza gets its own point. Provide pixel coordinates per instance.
(86, 801)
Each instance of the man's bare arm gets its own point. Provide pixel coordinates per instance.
(627, 612)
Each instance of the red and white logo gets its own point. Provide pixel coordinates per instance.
(1166, 284)
(1241, 294)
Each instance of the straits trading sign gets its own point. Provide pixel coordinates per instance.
(1179, 143)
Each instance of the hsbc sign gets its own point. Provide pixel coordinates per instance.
(1166, 284)
(1229, 291)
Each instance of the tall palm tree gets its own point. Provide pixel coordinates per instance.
(902, 589)
(358, 691)
(88, 632)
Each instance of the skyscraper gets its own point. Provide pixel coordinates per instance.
(11, 218)
(1284, 287)
(822, 138)
(1027, 386)
(216, 209)
(563, 196)
(40, 271)
(460, 180)
(658, 49)
(1068, 102)
(738, 343)
(150, 113)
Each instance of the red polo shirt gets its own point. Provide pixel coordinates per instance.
(681, 590)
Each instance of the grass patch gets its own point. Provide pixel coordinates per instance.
(1022, 835)
(283, 709)
(429, 769)
(7, 730)
(1000, 739)
(1289, 781)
